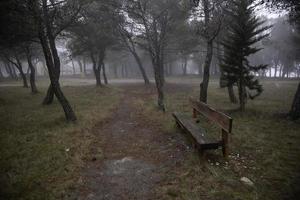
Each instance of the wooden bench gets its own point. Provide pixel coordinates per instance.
(203, 140)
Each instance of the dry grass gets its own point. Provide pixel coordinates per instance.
(41, 154)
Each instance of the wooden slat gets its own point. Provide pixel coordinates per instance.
(223, 120)
(197, 132)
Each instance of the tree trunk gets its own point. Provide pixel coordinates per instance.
(53, 63)
(231, 94)
(96, 70)
(205, 81)
(9, 71)
(1, 74)
(18, 65)
(54, 87)
(295, 110)
(32, 72)
(242, 95)
(80, 67)
(104, 73)
(159, 81)
(84, 65)
(143, 72)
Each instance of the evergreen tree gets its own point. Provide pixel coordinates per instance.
(244, 31)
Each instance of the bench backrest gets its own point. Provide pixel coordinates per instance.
(223, 120)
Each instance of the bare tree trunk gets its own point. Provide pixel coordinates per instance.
(19, 66)
(32, 71)
(84, 65)
(295, 110)
(159, 81)
(53, 63)
(143, 72)
(231, 94)
(54, 88)
(96, 69)
(104, 73)
(205, 81)
(9, 71)
(80, 67)
(1, 74)
(242, 95)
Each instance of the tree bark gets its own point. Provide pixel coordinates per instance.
(80, 67)
(52, 60)
(1, 74)
(20, 68)
(54, 88)
(141, 67)
(9, 71)
(206, 73)
(96, 70)
(104, 73)
(32, 72)
(242, 95)
(159, 81)
(295, 110)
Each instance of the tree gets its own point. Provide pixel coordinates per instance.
(128, 38)
(244, 31)
(48, 29)
(211, 12)
(294, 13)
(28, 52)
(153, 21)
(93, 35)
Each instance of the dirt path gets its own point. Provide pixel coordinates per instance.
(137, 156)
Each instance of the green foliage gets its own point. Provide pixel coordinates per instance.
(245, 30)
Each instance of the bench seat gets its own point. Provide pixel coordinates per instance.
(198, 133)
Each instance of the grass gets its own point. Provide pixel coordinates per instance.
(265, 147)
(41, 154)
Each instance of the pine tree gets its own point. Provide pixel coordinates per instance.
(244, 31)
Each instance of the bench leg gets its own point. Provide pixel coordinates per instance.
(225, 144)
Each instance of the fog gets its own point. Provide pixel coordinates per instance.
(149, 99)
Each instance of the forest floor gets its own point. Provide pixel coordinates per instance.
(122, 147)
(137, 153)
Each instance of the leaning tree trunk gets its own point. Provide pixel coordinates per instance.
(55, 86)
(20, 68)
(295, 110)
(104, 73)
(32, 72)
(53, 63)
(205, 81)
(143, 72)
(9, 71)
